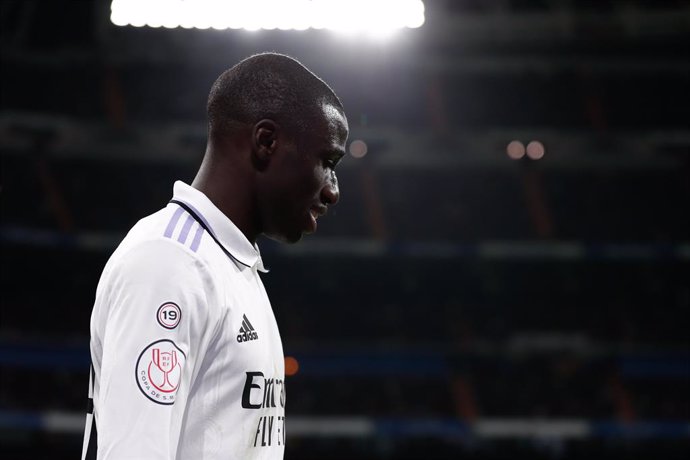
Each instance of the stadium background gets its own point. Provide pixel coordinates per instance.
(458, 303)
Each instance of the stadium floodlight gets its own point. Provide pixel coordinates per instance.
(370, 17)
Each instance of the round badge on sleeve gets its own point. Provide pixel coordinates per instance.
(169, 315)
(158, 371)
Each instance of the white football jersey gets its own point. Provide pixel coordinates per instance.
(186, 354)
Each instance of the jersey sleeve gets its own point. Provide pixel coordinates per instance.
(154, 316)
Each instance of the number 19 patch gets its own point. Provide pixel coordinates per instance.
(169, 315)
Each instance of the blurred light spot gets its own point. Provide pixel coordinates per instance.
(535, 150)
(375, 18)
(358, 148)
(515, 150)
(291, 365)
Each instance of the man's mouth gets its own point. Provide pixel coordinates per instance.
(314, 213)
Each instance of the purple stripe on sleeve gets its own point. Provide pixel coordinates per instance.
(185, 229)
(173, 222)
(197, 238)
(199, 215)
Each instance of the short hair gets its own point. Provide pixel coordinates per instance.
(268, 85)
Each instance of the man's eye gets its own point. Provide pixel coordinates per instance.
(331, 163)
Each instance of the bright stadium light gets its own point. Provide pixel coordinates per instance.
(369, 17)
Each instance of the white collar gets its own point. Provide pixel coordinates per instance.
(219, 225)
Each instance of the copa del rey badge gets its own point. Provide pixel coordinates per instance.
(159, 371)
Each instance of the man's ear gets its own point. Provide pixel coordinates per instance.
(264, 140)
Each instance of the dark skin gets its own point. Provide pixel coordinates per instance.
(268, 183)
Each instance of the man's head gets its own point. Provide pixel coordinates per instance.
(293, 130)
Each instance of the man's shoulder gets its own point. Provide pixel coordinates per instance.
(171, 226)
(159, 240)
(170, 241)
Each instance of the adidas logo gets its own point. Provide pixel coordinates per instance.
(247, 331)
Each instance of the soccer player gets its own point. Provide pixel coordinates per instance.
(187, 360)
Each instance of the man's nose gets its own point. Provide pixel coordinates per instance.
(330, 194)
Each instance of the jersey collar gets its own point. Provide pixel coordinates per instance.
(232, 239)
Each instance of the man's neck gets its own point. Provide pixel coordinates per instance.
(229, 193)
